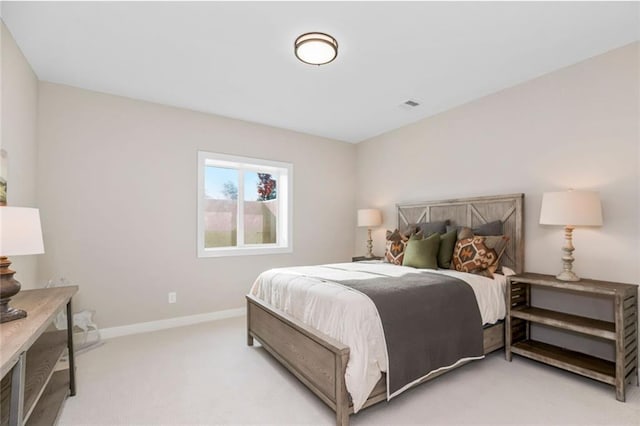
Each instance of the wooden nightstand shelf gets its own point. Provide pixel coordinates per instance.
(361, 258)
(622, 332)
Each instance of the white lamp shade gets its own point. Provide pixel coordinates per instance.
(369, 217)
(573, 208)
(20, 231)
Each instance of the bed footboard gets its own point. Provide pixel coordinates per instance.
(316, 359)
(320, 361)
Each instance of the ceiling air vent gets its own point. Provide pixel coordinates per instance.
(409, 104)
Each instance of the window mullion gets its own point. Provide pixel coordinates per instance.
(240, 209)
(278, 230)
(283, 209)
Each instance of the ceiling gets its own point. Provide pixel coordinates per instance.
(236, 59)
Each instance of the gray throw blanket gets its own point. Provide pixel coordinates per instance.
(429, 320)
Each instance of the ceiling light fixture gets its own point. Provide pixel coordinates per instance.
(316, 48)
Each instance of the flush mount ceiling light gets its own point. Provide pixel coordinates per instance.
(316, 48)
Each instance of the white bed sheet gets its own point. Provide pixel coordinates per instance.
(308, 294)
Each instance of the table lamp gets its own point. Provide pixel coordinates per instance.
(20, 234)
(369, 218)
(570, 209)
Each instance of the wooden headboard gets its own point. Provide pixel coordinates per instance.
(472, 212)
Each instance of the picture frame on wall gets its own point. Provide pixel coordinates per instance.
(4, 165)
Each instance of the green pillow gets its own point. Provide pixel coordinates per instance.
(445, 252)
(422, 253)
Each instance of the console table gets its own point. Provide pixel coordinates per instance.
(31, 392)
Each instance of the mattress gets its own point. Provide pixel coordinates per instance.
(309, 294)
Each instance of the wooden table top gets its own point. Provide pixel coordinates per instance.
(41, 306)
(584, 285)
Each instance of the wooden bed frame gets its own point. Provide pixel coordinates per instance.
(320, 361)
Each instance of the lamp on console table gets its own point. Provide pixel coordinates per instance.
(369, 218)
(20, 234)
(571, 209)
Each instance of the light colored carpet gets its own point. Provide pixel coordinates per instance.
(205, 374)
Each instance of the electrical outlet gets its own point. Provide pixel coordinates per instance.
(172, 297)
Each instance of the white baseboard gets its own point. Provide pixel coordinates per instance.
(145, 327)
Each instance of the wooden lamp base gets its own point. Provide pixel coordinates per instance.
(369, 254)
(9, 287)
(567, 273)
(10, 314)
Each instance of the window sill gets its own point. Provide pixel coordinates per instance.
(243, 251)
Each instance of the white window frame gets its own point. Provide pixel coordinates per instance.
(284, 235)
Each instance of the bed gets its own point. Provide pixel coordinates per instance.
(320, 361)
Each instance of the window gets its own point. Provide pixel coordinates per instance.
(244, 205)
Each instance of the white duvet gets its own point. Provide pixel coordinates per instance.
(308, 294)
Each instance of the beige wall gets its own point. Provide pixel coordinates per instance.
(574, 128)
(19, 99)
(118, 180)
(577, 127)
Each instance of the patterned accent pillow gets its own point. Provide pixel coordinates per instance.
(394, 250)
(397, 243)
(479, 255)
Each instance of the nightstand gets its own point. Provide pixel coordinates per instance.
(622, 332)
(361, 258)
